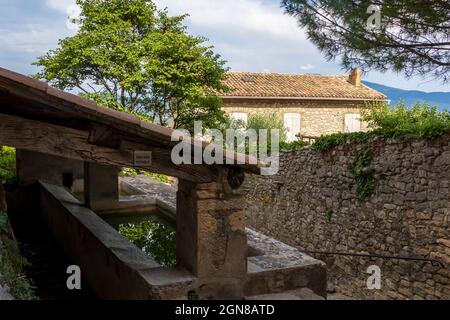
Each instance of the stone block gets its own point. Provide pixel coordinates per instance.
(211, 239)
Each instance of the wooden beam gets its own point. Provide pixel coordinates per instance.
(74, 144)
(163, 157)
(105, 136)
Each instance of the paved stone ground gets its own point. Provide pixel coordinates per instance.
(152, 188)
(300, 294)
(337, 296)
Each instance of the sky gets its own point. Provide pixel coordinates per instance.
(252, 35)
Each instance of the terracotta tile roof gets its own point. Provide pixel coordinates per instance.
(275, 85)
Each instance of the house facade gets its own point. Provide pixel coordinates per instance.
(309, 105)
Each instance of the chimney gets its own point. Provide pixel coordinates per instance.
(355, 77)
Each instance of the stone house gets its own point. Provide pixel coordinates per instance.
(310, 105)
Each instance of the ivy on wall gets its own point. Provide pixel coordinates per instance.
(398, 122)
(363, 173)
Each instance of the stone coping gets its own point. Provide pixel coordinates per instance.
(275, 255)
(109, 237)
(151, 279)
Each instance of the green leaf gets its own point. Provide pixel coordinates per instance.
(130, 56)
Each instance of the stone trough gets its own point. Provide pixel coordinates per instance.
(115, 269)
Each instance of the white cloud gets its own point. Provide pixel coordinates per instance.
(237, 16)
(307, 67)
(60, 5)
(252, 35)
(36, 39)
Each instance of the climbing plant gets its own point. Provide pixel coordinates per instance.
(363, 173)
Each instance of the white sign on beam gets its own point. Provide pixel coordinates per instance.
(142, 158)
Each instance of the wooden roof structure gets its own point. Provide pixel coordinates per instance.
(37, 117)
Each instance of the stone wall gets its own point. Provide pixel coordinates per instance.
(34, 166)
(312, 205)
(317, 117)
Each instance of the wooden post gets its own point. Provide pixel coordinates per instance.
(211, 239)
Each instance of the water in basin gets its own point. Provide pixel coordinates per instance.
(150, 232)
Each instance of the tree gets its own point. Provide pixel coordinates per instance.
(413, 37)
(268, 121)
(130, 56)
(7, 165)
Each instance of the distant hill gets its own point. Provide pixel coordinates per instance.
(440, 99)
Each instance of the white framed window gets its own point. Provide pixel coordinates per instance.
(292, 123)
(352, 122)
(239, 116)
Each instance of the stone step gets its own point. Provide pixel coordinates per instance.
(299, 294)
(274, 268)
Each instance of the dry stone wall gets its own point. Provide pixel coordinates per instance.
(312, 204)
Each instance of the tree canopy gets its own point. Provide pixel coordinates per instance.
(413, 36)
(131, 56)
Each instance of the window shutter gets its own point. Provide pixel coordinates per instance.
(292, 123)
(242, 116)
(352, 122)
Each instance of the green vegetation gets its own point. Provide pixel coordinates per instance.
(129, 172)
(292, 146)
(262, 121)
(130, 56)
(420, 120)
(399, 122)
(329, 214)
(154, 238)
(363, 173)
(325, 143)
(107, 100)
(404, 36)
(12, 265)
(193, 296)
(268, 121)
(7, 165)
